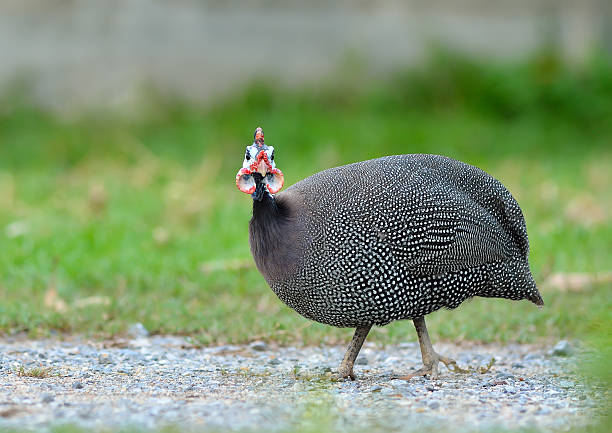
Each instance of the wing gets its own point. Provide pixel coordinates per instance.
(443, 230)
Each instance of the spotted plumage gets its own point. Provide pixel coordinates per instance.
(391, 238)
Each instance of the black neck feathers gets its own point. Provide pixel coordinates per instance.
(272, 234)
(266, 209)
(268, 223)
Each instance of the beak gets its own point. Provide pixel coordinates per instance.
(262, 167)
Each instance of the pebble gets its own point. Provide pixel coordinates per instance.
(154, 381)
(562, 348)
(544, 410)
(47, 397)
(103, 359)
(137, 330)
(258, 346)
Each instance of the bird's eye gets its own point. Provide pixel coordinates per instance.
(247, 155)
(272, 156)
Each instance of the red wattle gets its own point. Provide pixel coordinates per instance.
(279, 181)
(241, 187)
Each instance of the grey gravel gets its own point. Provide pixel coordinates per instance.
(153, 382)
(361, 360)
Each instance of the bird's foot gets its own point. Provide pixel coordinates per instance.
(345, 372)
(430, 367)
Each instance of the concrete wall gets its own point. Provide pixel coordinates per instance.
(91, 52)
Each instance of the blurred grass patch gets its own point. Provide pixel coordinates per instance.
(108, 219)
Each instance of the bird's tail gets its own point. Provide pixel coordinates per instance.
(536, 298)
(516, 282)
(529, 285)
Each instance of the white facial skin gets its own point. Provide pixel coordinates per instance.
(251, 153)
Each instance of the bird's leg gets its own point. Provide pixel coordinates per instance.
(346, 366)
(430, 358)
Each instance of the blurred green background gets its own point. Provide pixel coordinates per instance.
(109, 217)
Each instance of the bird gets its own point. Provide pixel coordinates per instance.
(392, 238)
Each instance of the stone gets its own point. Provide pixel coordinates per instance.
(104, 359)
(562, 348)
(258, 346)
(47, 397)
(532, 356)
(137, 330)
(388, 391)
(544, 410)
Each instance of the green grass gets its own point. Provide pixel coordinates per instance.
(36, 372)
(108, 219)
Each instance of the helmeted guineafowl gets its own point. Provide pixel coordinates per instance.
(392, 238)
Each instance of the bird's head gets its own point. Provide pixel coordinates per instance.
(259, 173)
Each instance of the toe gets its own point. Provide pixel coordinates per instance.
(434, 371)
(447, 361)
(420, 372)
(343, 374)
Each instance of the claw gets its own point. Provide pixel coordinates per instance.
(431, 368)
(344, 372)
(338, 377)
(452, 365)
(420, 372)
